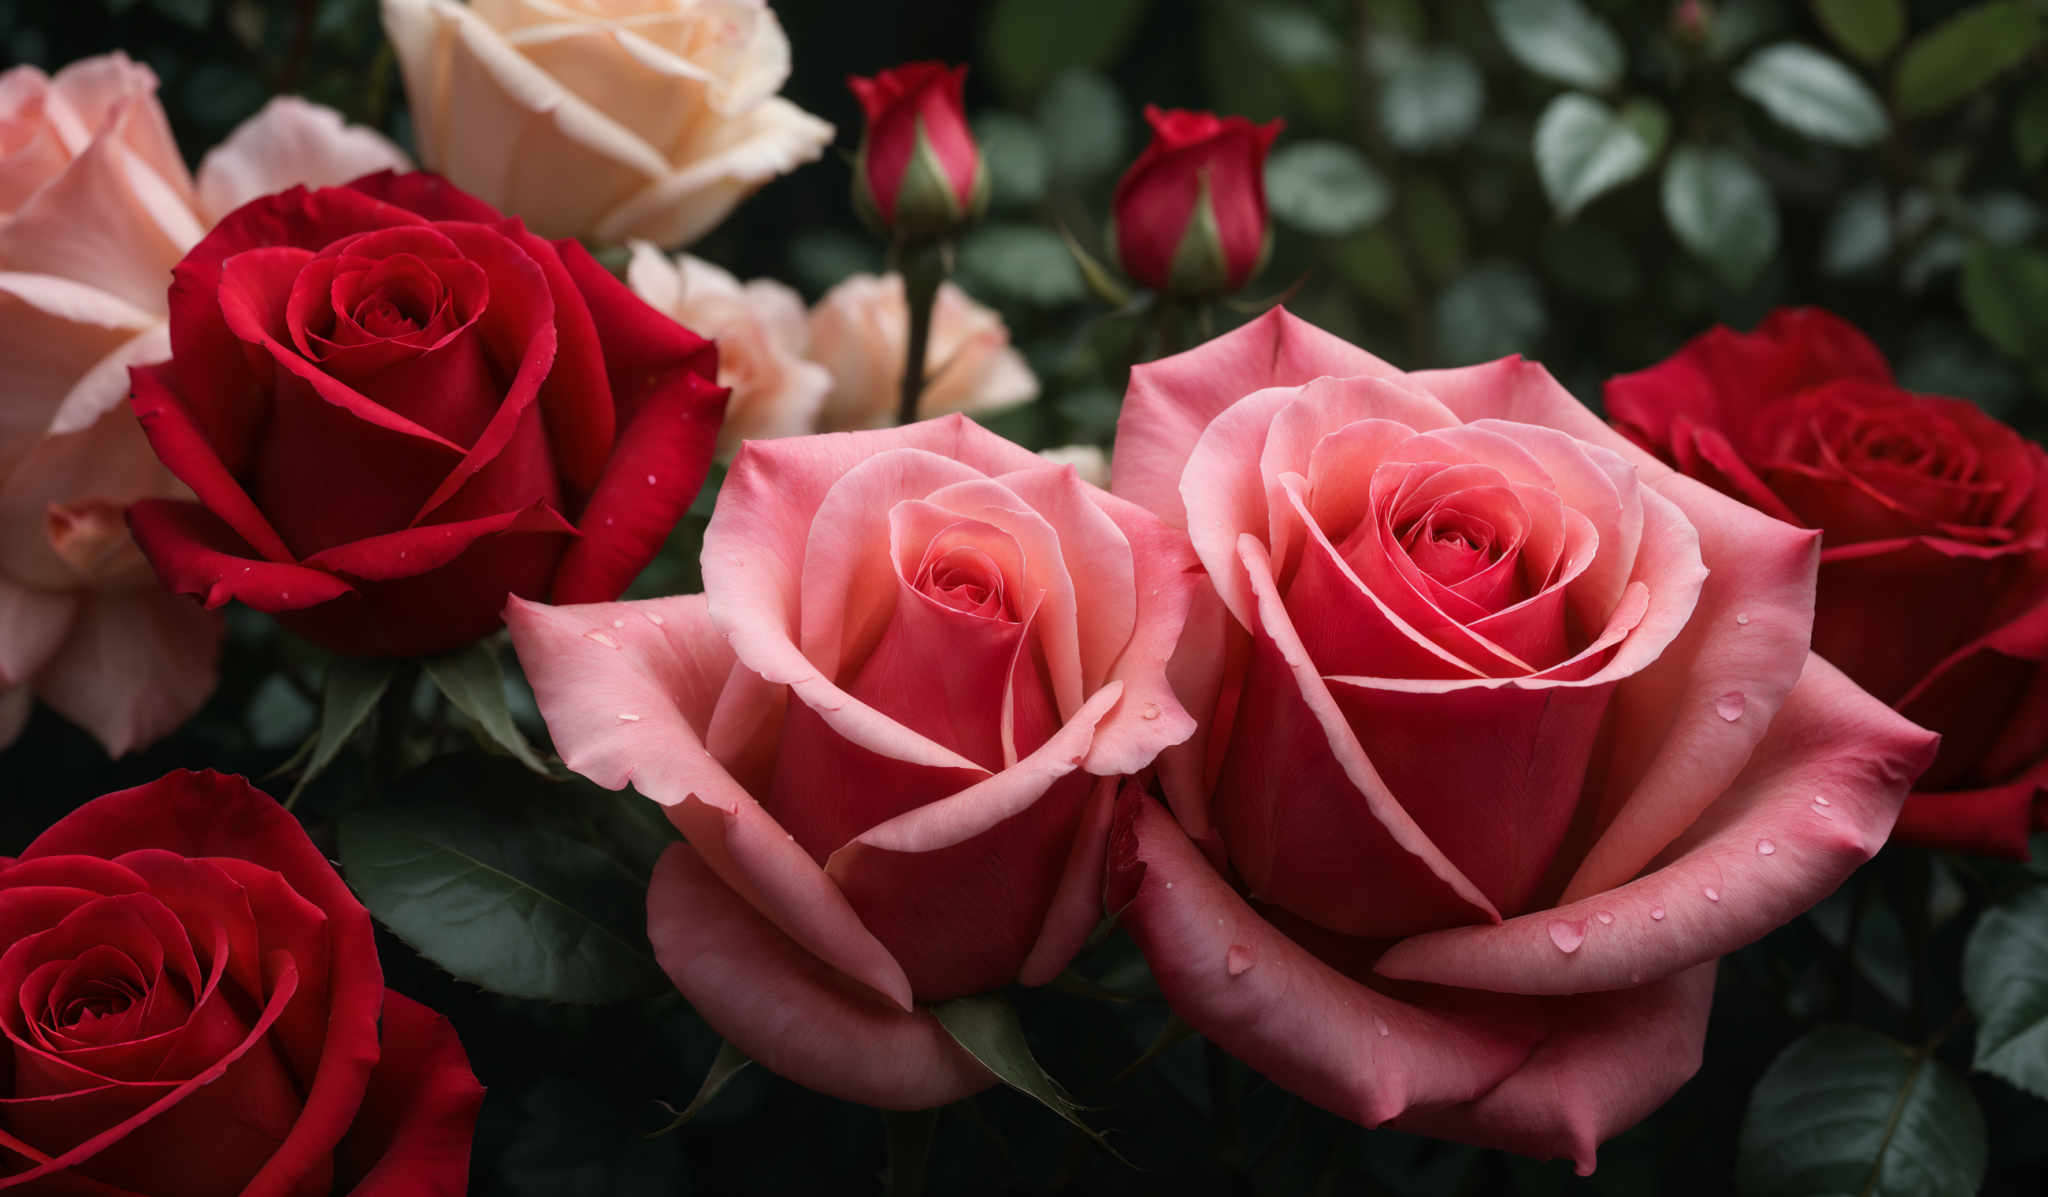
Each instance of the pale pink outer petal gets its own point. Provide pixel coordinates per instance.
(786, 1009)
(290, 143)
(1610, 1060)
(33, 625)
(661, 662)
(1269, 1002)
(136, 665)
(15, 705)
(1816, 800)
(1172, 400)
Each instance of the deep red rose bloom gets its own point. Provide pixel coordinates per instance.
(1934, 578)
(193, 1007)
(396, 407)
(1191, 212)
(920, 173)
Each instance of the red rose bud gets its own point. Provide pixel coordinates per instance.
(919, 174)
(1190, 214)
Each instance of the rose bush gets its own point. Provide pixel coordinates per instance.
(1934, 569)
(96, 207)
(607, 119)
(890, 730)
(194, 1006)
(395, 408)
(1510, 733)
(859, 332)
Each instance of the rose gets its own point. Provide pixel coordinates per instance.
(610, 120)
(95, 209)
(858, 333)
(890, 731)
(1511, 732)
(193, 1005)
(919, 173)
(762, 332)
(396, 408)
(1934, 572)
(1190, 213)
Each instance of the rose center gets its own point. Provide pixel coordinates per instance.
(95, 1000)
(965, 579)
(1449, 545)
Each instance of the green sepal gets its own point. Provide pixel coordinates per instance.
(727, 1064)
(1200, 266)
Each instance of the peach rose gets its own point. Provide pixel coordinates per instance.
(858, 331)
(761, 333)
(604, 119)
(95, 209)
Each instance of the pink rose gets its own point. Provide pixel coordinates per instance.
(1512, 733)
(859, 332)
(96, 207)
(890, 730)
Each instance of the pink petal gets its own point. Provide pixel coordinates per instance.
(1150, 718)
(54, 333)
(1815, 801)
(1077, 904)
(290, 142)
(33, 625)
(788, 1010)
(136, 665)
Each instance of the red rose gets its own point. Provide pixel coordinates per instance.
(1191, 212)
(396, 407)
(1934, 578)
(920, 173)
(191, 1001)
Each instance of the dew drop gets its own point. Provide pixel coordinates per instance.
(1657, 914)
(656, 620)
(1239, 959)
(628, 717)
(1742, 619)
(1635, 978)
(1149, 711)
(1765, 847)
(1729, 706)
(1821, 800)
(600, 637)
(401, 554)
(1605, 917)
(607, 521)
(618, 623)
(1169, 885)
(1380, 1024)
(286, 594)
(1567, 936)
(650, 480)
(1712, 894)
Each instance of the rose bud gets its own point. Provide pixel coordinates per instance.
(395, 407)
(891, 730)
(919, 175)
(193, 1004)
(1508, 734)
(1934, 563)
(1190, 215)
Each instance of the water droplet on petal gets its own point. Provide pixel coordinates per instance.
(1729, 706)
(401, 554)
(1821, 800)
(650, 480)
(1765, 847)
(1605, 917)
(1742, 619)
(607, 521)
(1567, 936)
(1169, 885)
(1239, 959)
(601, 637)
(1380, 1024)
(628, 717)
(618, 623)
(1149, 711)
(1657, 914)
(286, 594)
(1635, 978)
(1712, 894)
(656, 620)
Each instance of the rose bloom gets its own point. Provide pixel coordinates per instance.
(891, 730)
(194, 1006)
(609, 120)
(95, 209)
(1511, 732)
(1190, 214)
(762, 332)
(859, 332)
(1934, 569)
(395, 408)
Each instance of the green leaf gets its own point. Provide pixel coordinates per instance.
(1082, 121)
(1810, 93)
(1859, 234)
(1325, 188)
(1722, 211)
(2030, 128)
(1374, 264)
(1027, 43)
(1100, 278)
(1017, 160)
(2005, 978)
(1022, 262)
(1490, 311)
(1846, 1110)
(2005, 290)
(347, 696)
(473, 682)
(191, 13)
(1584, 150)
(729, 1063)
(1868, 29)
(1957, 58)
(1560, 40)
(472, 862)
(1431, 99)
(987, 1027)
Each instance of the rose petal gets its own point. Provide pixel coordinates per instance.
(411, 1137)
(289, 142)
(135, 666)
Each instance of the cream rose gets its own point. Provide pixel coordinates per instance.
(761, 332)
(858, 331)
(95, 208)
(610, 120)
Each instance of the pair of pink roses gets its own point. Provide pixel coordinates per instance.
(1481, 736)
